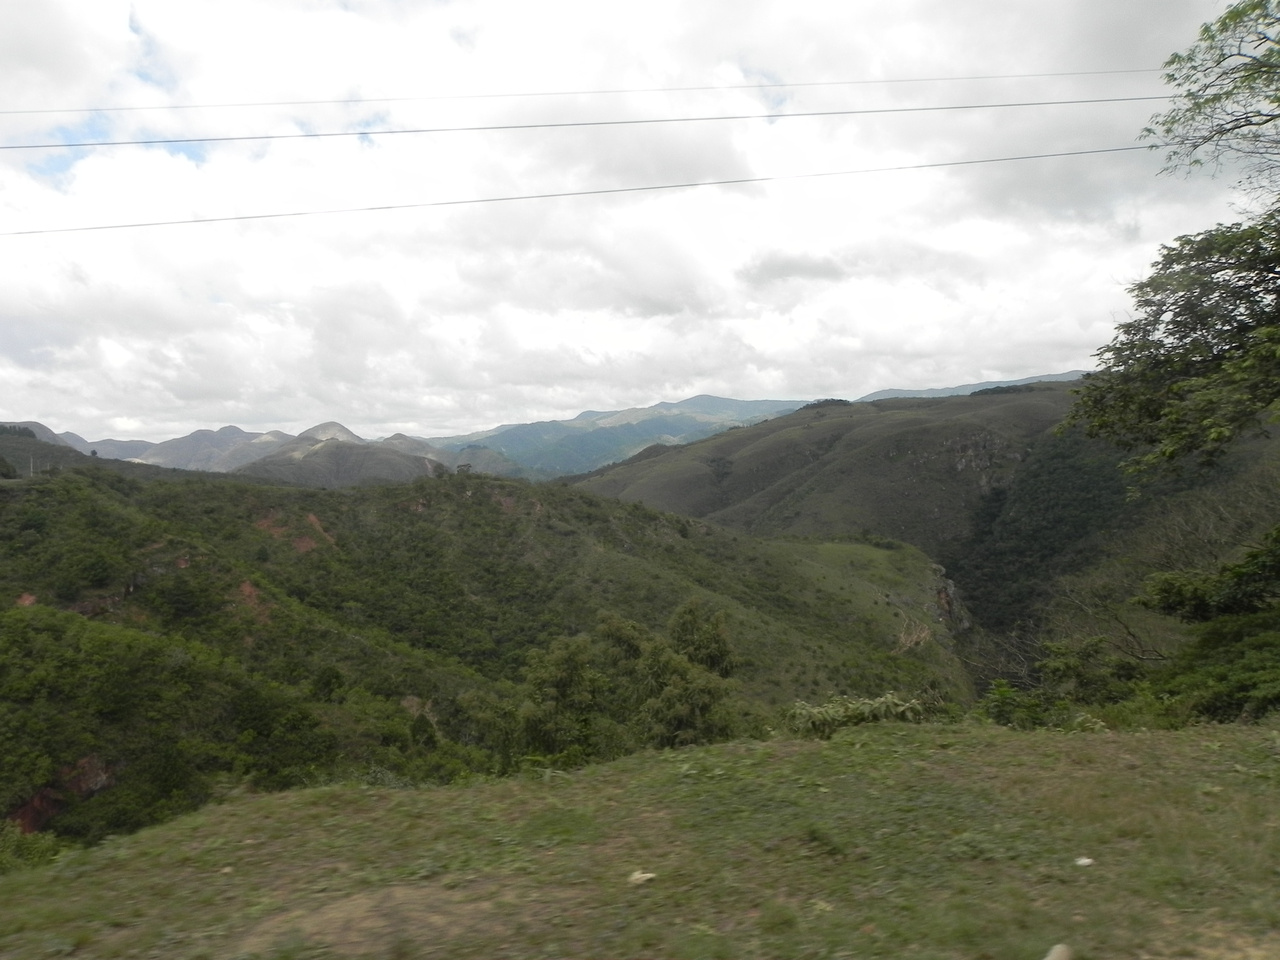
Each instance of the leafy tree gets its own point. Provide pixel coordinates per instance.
(566, 716)
(1245, 587)
(702, 637)
(1198, 368)
(1228, 97)
(1232, 670)
(1200, 363)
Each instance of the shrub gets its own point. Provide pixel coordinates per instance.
(822, 720)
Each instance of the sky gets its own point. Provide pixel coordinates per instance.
(864, 250)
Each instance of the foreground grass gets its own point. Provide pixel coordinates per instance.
(891, 841)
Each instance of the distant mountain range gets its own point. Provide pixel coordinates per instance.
(330, 455)
(967, 388)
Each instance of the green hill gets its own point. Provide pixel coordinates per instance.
(337, 463)
(910, 469)
(272, 637)
(1038, 529)
(281, 636)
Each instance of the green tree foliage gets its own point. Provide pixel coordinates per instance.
(1036, 529)
(1200, 363)
(1245, 587)
(231, 633)
(702, 637)
(570, 702)
(1231, 671)
(821, 721)
(159, 717)
(20, 850)
(600, 695)
(1228, 93)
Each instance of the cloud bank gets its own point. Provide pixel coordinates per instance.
(439, 320)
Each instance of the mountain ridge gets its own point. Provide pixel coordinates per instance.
(537, 451)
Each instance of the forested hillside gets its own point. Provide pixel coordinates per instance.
(218, 632)
(911, 469)
(1051, 544)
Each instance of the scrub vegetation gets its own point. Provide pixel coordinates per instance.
(170, 640)
(466, 716)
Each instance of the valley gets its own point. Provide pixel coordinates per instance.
(219, 654)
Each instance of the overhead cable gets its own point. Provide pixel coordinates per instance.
(577, 93)
(873, 111)
(569, 193)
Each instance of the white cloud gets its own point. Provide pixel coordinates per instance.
(445, 319)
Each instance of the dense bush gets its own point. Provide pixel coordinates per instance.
(156, 718)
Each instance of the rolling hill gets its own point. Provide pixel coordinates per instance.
(910, 469)
(165, 631)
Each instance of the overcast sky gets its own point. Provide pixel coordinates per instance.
(438, 320)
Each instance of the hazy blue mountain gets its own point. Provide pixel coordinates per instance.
(541, 450)
(595, 438)
(967, 388)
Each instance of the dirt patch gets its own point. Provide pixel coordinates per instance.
(27, 600)
(251, 597)
(268, 523)
(315, 522)
(427, 918)
(304, 544)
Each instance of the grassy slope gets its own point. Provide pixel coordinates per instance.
(930, 842)
(909, 469)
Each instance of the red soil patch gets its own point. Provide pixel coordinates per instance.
(88, 776)
(268, 523)
(315, 522)
(251, 596)
(27, 600)
(304, 544)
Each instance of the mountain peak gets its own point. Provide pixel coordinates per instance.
(332, 430)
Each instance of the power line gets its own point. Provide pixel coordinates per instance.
(579, 93)
(572, 193)
(171, 141)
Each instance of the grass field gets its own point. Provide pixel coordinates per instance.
(929, 841)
